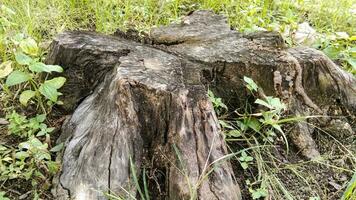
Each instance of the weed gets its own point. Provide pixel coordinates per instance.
(24, 128)
(267, 125)
(350, 191)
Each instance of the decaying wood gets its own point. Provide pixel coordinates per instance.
(147, 103)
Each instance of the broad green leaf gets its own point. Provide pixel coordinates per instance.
(352, 38)
(254, 124)
(41, 118)
(234, 133)
(21, 155)
(42, 155)
(29, 46)
(352, 62)
(49, 88)
(353, 52)
(263, 103)
(41, 67)
(49, 92)
(3, 197)
(277, 104)
(5, 69)
(251, 85)
(244, 165)
(57, 82)
(22, 58)
(248, 159)
(17, 38)
(37, 143)
(26, 96)
(57, 148)
(17, 77)
(332, 52)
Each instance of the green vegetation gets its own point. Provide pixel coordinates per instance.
(30, 87)
(259, 135)
(42, 19)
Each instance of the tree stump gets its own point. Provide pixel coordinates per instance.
(144, 105)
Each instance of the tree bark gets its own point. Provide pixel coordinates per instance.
(146, 106)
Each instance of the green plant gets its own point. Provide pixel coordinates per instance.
(2, 196)
(31, 159)
(339, 46)
(218, 105)
(253, 129)
(21, 126)
(266, 122)
(256, 193)
(27, 71)
(350, 191)
(245, 160)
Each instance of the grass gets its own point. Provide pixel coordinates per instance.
(43, 19)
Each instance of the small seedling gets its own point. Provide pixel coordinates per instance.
(245, 160)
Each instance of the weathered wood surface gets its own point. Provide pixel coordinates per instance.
(148, 102)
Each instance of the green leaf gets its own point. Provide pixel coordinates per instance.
(22, 155)
(277, 104)
(41, 118)
(248, 159)
(57, 148)
(351, 188)
(53, 167)
(251, 85)
(29, 46)
(234, 133)
(263, 103)
(57, 82)
(16, 39)
(49, 92)
(5, 69)
(42, 155)
(244, 165)
(26, 96)
(17, 77)
(352, 62)
(3, 197)
(2, 148)
(49, 88)
(225, 124)
(22, 58)
(278, 127)
(332, 52)
(254, 124)
(41, 67)
(271, 103)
